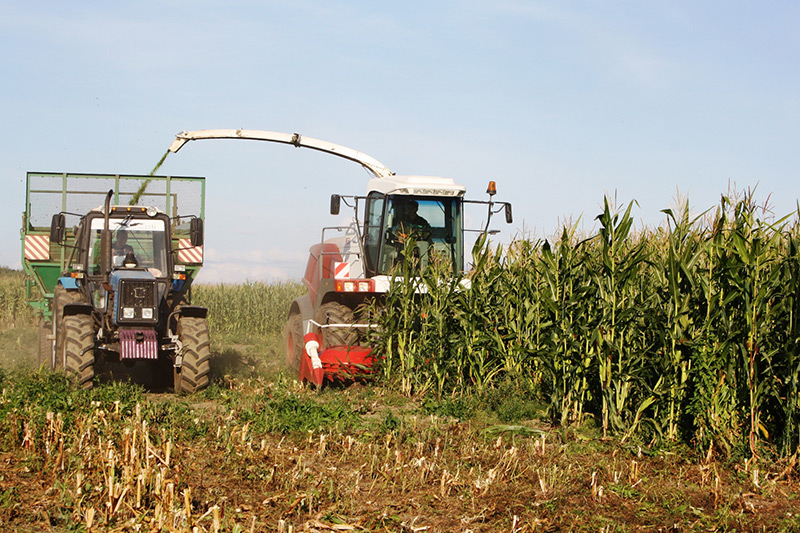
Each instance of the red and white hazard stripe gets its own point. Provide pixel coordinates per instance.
(341, 270)
(191, 255)
(37, 247)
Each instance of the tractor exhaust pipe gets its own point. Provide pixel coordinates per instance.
(105, 239)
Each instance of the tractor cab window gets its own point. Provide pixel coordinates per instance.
(434, 226)
(134, 243)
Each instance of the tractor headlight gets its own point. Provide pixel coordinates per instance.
(349, 286)
(147, 313)
(128, 312)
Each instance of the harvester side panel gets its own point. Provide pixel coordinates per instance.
(318, 269)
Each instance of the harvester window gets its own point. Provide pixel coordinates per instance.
(434, 224)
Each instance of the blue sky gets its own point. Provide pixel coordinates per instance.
(559, 102)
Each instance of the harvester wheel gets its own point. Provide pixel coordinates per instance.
(61, 297)
(293, 341)
(335, 313)
(79, 349)
(193, 374)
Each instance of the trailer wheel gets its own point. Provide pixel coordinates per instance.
(193, 375)
(335, 313)
(293, 341)
(45, 343)
(79, 349)
(61, 297)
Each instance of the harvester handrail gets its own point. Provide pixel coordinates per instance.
(354, 325)
(378, 169)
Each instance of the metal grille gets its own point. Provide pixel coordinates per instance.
(137, 293)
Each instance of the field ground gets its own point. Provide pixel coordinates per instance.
(258, 452)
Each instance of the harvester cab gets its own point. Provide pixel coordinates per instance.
(424, 212)
(116, 285)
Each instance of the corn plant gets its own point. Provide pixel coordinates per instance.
(617, 347)
(563, 350)
(676, 274)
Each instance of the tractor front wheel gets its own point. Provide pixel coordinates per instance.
(79, 349)
(193, 374)
(293, 341)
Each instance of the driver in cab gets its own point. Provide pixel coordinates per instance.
(409, 223)
(122, 251)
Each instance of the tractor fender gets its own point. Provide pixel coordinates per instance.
(79, 308)
(69, 283)
(303, 307)
(194, 311)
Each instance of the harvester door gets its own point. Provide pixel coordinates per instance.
(373, 231)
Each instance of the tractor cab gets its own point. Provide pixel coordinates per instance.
(136, 242)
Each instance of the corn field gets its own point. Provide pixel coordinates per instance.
(14, 308)
(686, 333)
(251, 308)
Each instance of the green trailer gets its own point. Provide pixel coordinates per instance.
(95, 297)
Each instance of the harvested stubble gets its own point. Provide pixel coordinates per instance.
(139, 463)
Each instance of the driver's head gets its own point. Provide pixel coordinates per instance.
(122, 236)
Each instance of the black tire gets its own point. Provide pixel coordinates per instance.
(79, 349)
(293, 341)
(61, 297)
(45, 353)
(335, 313)
(193, 374)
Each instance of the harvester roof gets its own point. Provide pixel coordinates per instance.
(416, 185)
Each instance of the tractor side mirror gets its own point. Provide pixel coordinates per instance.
(336, 203)
(196, 232)
(57, 228)
(509, 217)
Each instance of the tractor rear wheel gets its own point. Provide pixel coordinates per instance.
(61, 297)
(79, 349)
(293, 341)
(193, 375)
(335, 313)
